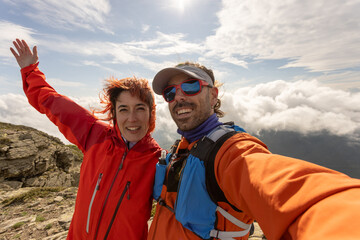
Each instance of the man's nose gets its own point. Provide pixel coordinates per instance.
(179, 95)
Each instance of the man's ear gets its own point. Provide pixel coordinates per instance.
(214, 91)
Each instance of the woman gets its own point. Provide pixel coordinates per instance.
(117, 173)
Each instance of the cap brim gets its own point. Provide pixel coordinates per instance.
(162, 78)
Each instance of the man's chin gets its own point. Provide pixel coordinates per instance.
(183, 124)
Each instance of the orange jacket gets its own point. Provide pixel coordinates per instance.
(290, 198)
(114, 194)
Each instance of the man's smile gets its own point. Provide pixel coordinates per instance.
(183, 111)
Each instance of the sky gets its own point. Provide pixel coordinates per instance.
(285, 65)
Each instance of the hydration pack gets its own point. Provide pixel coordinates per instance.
(192, 176)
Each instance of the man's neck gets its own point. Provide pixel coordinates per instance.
(203, 129)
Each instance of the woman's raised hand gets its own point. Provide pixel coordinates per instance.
(24, 56)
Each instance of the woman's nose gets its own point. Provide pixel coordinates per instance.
(132, 117)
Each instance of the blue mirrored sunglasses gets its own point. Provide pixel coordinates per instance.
(189, 87)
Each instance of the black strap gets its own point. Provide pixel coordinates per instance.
(206, 150)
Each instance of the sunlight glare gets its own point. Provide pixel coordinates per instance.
(180, 5)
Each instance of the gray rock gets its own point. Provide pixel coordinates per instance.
(9, 185)
(58, 199)
(32, 158)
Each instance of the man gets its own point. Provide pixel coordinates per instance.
(289, 198)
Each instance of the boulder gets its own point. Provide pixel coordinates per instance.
(31, 158)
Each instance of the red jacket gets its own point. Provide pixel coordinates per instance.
(114, 194)
(290, 198)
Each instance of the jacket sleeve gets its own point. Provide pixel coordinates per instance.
(290, 198)
(73, 121)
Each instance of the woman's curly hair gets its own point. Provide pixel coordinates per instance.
(136, 86)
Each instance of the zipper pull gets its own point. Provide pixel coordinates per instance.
(98, 182)
(162, 159)
(122, 160)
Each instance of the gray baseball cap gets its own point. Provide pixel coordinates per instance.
(162, 78)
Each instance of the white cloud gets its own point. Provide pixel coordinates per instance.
(319, 35)
(235, 61)
(165, 130)
(68, 14)
(135, 52)
(15, 109)
(166, 44)
(301, 106)
(61, 83)
(145, 28)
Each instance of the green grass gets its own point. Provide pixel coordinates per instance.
(47, 227)
(17, 236)
(4, 140)
(18, 225)
(76, 150)
(39, 218)
(32, 194)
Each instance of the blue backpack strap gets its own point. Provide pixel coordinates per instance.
(206, 149)
(163, 165)
(160, 174)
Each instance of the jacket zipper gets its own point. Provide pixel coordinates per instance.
(126, 189)
(92, 201)
(107, 196)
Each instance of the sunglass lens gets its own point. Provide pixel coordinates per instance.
(191, 87)
(169, 94)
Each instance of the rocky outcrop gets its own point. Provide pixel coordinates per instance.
(31, 158)
(39, 176)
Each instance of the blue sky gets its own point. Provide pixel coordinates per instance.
(286, 65)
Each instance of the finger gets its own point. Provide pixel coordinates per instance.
(17, 47)
(26, 47)
(18, 41)
(35, 52)
(14, 53)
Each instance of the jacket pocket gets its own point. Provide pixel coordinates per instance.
(126, 189)
(92, 201)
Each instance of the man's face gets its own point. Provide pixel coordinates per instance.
(189, 112)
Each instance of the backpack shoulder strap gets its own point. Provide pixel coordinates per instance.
(206, 149)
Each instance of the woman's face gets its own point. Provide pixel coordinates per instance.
(132, 116)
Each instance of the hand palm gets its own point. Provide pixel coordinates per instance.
(24, 56)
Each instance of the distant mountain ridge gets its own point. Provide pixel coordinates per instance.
(322, 148)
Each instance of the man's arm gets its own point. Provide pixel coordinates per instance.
(290, 198)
